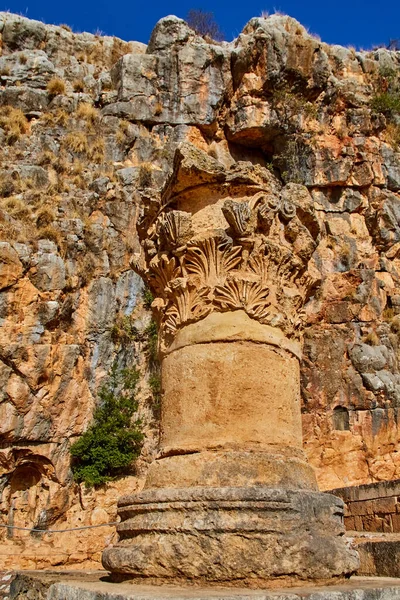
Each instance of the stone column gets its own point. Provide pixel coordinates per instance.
(231, 498)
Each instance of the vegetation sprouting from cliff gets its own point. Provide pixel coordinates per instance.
(204, 24)
(386, 101)
(113, 441)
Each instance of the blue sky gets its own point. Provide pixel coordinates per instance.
(361, 23)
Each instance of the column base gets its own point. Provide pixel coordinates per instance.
(287, 469)
(231, 536)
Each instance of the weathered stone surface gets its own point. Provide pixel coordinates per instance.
(71, 585)
(230, 535)
(10, 265)
(191, 94)
(275, 109)
(200, 373)
(380, 556)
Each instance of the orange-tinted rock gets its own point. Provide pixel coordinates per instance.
(275, 107)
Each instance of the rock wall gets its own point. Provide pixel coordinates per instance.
(89, 126)
(70, 303)
(372, 507)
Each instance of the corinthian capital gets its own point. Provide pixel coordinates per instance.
(227, 244)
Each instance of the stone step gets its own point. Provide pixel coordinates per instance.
(92, 586)
(379, 553)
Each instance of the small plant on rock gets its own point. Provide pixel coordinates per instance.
(56, 87)
(78, 85)
(387, 103)
(87, 112)
(204, 24)
(147, 298)
(387, 98)
(77, 142)
(124, 331)
(145, 175)
(14, 123)
(114, 440)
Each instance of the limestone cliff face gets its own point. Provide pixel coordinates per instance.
(90, 127)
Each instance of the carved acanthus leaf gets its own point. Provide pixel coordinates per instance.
(190, 303)
(252, 296)
(162, 271)
(258, 264)
(138, 264)
(212, 260)
(175, 227)
(238, 215)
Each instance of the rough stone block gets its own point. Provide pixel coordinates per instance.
(229, 535)
(361, 508)
(396, 523)
(384, 505)
(350, 523)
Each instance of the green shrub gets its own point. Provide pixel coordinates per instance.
(147, 298)
(387, 103)
(113, 441)
(123, 331)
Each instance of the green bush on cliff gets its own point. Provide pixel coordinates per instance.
(387, 103)
(113, 441)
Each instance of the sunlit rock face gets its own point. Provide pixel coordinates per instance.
(216, 135)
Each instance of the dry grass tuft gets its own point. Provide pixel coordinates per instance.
(58, 117)
(44, 217)
(51, 233)
(372, 339)
(56, 87)
(7, 185)
(145, 175)
(95, 55)
(158, 108)
(87, 112)
(119, 48)
(77, 141)
(388, 314)
(92, 147)
(17, 208)
(392, 135)
(14, 123)
(61, 165)
(97, 150)
(122, 132)
(78, 85)
(46, 158)
(395, 324)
